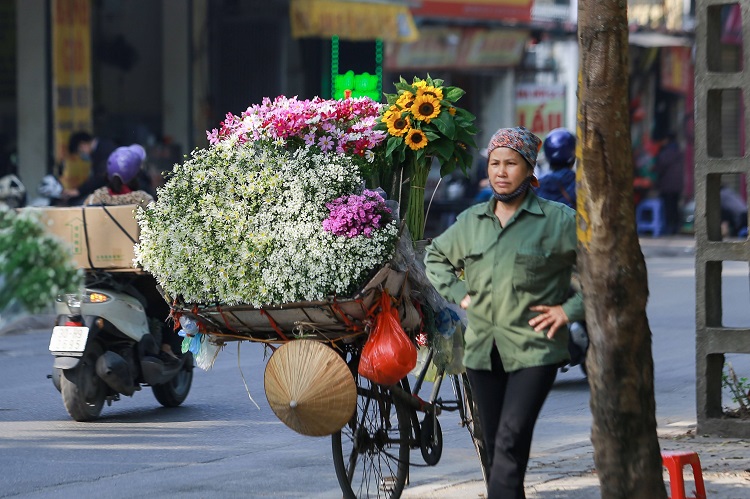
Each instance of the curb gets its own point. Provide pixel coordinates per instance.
(27, 323)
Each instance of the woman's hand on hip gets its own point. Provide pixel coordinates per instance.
(465, 302)
(550, 317)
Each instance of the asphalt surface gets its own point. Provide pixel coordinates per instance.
(568, 471)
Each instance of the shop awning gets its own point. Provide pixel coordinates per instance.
(479, 10)
(351, 20)
(654, 40)
(441, 47)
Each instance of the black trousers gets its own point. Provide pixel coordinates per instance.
(671, 202)
(509, 405)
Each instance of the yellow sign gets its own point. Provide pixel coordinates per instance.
(71, 69)
(351, 20)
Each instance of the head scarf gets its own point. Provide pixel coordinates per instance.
(521, 140)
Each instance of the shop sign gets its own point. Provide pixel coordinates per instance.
(675, 69)
(351, 20)
(540, 108)
(71, 69)
(493, 48)
(458, 48)
(481, 10)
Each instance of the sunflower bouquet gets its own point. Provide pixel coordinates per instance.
(423, 123)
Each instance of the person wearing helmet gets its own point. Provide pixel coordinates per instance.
(560, 184)
(123, 168)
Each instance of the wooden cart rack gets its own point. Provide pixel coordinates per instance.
(333, 319)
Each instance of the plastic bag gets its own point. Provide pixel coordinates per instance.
(388, 354)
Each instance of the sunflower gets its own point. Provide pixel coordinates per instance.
(389, 113)
(419, 84)
(405, 100)
(425, 107)
(415, 139)
(397, 125)
(452, 111)
(430, 90)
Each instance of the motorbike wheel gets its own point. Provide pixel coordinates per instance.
(175, 391)
(83, 392)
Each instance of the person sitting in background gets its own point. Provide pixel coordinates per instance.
(733, 212)
(123, 168)
(560, 184)
(96, 151)
(123, 183)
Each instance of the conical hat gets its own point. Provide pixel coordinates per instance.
(310, 388)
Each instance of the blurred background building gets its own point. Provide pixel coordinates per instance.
(162, 72)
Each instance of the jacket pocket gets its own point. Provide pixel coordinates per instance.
(531, 272)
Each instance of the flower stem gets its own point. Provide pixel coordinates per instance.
(415, 208)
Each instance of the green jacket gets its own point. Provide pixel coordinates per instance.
(507, 270)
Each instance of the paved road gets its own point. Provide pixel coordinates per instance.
(219, 445)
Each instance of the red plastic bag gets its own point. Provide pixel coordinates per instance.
(388, 354)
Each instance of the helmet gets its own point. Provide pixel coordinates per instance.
(50, 187)
(139, 150)
(12, 191)
(560, 148)
(124, 163)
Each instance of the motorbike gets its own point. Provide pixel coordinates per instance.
(106, 346)
(12, 192)
(578, 346)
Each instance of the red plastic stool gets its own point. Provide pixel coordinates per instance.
(674, 462)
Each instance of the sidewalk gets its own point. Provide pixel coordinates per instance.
(677, 245)
(569, 473)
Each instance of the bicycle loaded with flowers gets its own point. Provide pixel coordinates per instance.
(288, 227)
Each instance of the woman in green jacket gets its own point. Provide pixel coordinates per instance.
(517, 252)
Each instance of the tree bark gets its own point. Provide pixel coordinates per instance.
(613, 269)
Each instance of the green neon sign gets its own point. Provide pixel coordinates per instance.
(356, 85)
(361, 85)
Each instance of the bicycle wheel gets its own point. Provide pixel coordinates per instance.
(474, 425)
(371, 453)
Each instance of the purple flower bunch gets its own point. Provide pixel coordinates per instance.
(357, 214)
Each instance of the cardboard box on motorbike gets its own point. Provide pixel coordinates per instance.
(100, 237)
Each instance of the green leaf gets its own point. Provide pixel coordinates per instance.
(404, 87)
(438, 82)
(419, 154)
(452, 93)
(391, 99)
(464, 114)
(393, 143)
(465, 159)
(447, 167)
(431, 135)
(444, 148)
(462, 135)
(444, 123)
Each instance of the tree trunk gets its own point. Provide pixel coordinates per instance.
(613, 270)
